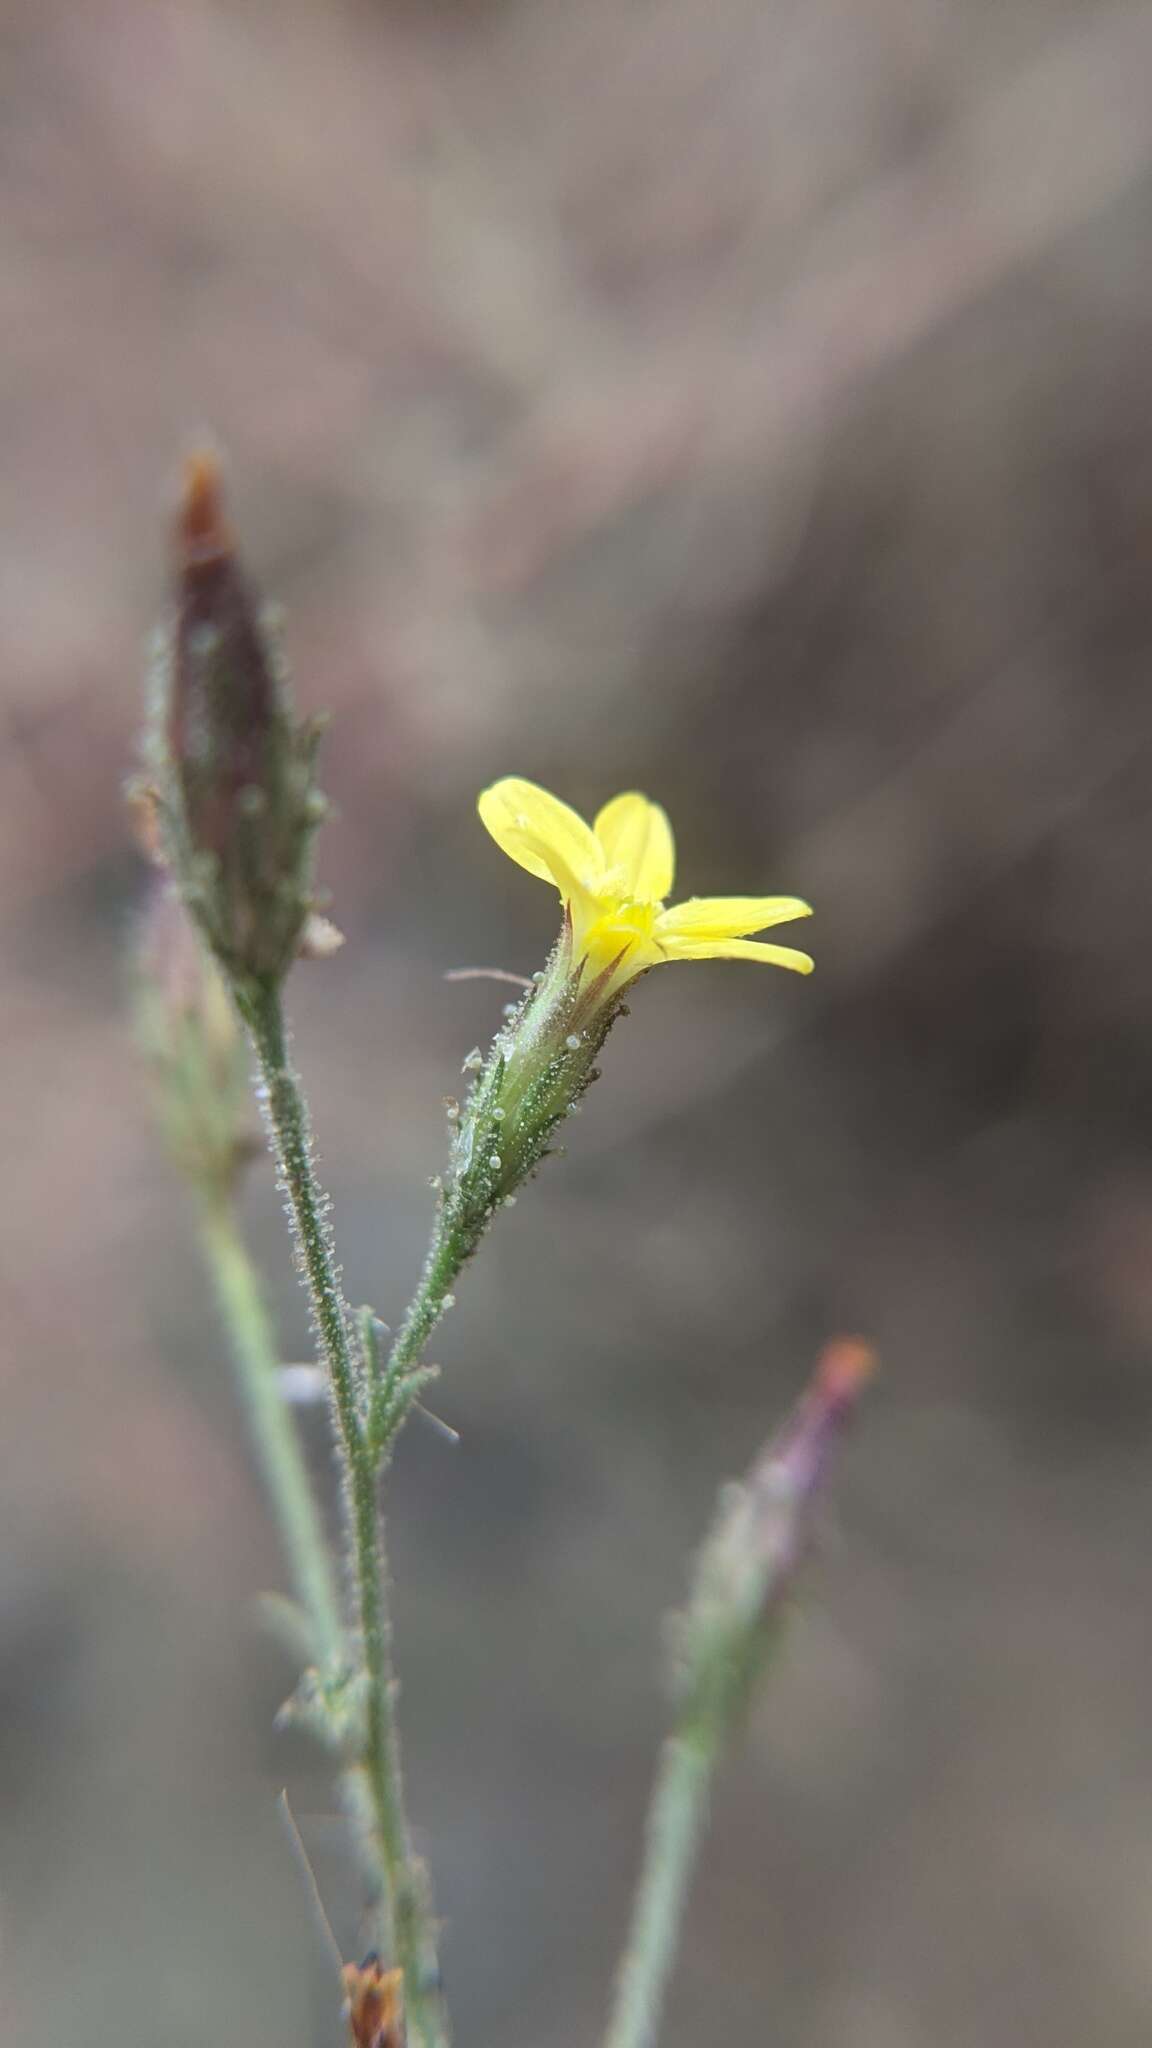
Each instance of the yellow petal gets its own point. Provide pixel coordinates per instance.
(541, 834)
(739, 949)
(728, 917)
(637, 839)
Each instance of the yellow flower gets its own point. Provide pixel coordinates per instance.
(614, 875)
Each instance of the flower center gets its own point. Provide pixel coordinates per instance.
(622, 926)
(624, 915)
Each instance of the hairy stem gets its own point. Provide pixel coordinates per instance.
(287, 1116)
(276, 1443)
(450, 1250)
(676, 1820)
(412, 1927)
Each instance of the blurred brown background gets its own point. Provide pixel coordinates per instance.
(749, 403)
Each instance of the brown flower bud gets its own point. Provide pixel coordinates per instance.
(374, 2004)
(238, 804)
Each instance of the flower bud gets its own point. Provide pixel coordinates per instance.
(373, 2004)
(537, 1070)
(190, 1036)
(237, 802)
(746, 1569)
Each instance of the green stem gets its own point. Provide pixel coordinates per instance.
(452, 1246)
(277, 1446)
(536, 1071)
(676, 1819)
(412, 1927)
(287, 1116)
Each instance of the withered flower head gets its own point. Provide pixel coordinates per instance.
(237, 802)
(374, 2004)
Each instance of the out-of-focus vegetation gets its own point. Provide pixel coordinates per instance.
(748, 404)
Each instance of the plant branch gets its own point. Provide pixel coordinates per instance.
(676, 1818)
(743, 1579)
(411, 1928)
(277, 1446)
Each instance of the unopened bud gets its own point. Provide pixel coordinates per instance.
(237, 802)
(746, 1569)
(373, 2003)
(190, 1036)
